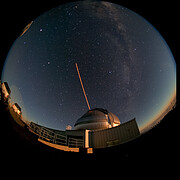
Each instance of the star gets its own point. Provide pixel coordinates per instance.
(74, 28)
(114, 58)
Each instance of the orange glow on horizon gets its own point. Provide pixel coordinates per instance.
(158, 117)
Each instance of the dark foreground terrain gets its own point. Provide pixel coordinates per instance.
(158, 146)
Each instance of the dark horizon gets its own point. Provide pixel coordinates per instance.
(158, 146)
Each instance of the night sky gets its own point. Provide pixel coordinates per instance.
(125, 65)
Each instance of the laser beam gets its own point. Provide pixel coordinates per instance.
(82, 86)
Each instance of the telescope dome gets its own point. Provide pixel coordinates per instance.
(96, 119)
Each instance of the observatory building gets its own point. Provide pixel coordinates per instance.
(96, 119)
(5, 91)
(77, 140)
(97, 128)
(16, 108)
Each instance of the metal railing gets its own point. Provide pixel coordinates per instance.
(55, 137)
(72, 142)
(60, 139)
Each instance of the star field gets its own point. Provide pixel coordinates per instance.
(124, 63)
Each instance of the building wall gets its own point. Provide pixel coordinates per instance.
(87, 138)
(114, 136)
(16, 109)
(17, 117)
(4, 91)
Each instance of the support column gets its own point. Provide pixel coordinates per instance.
(86, 138)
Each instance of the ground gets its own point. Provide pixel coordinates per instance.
(158, 145)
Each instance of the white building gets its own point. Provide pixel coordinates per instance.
(6, 91)
(96, 119)
(16, 108)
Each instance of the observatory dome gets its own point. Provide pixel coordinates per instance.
(95, 119)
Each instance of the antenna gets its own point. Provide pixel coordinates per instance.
(82, 86)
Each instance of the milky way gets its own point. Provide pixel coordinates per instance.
(126, 66)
